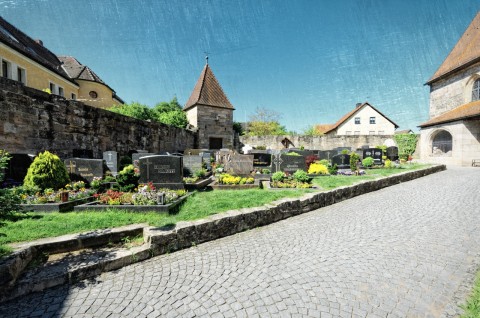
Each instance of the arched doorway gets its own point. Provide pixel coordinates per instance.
(442, 143)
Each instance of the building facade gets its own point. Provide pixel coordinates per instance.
(452, 133)
(27, 61)
(363, 120)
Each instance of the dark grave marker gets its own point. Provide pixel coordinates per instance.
(262, 160)
(288, 163)
(191, 164)
(375, 153)
(326, 154)
(17, 168)
(81, 169)
(82, 153)
(207, 156)
(240, 165)
(111, 160)
(392, 153)
(162, 171)
(136, 156)
(342, 161)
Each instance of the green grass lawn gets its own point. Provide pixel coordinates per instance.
(472, 305)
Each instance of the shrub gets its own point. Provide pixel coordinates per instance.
(293, 154)
(301, 176)
(317, 168)
(127, 179)
(9, 202)
(388, 164)
(266, 171)
(4, 158)
(345, 152)
(367, 162)
(324, 162)
(46, 171)
(310, 159)
(200, 173)
(278, 176)
(354, 158)
(232, 180)
(333, 169)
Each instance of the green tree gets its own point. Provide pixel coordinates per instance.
(265, 122)
(237, 127)
(170, 113)
(312, 131)
(134, 109)
(4, 158)
(46, 171)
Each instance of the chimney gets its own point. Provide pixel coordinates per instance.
(38, 41)
(358, 105)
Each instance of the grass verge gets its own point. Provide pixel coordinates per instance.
(32, 226)
(472, 306)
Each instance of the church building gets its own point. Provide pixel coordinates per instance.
(210, 112)
(452, 134)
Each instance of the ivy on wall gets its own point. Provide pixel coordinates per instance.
(407, 143)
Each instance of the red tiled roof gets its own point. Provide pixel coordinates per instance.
(465, 111)
(351, 113)
(464, 53)
(322, 128)
(208, 92)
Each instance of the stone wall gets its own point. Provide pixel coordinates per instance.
(314, 142)
(214, 122)
(32, 121)
(453, 91)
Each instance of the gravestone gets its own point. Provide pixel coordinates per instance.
(222, 157)
(392, 153)
(365, 146)
(342, 161)
(287, 163)
(239, 165)
(111, 160)
(326, 154)
(207, 156)
(81, 169)
(17, 168)
(375, 153)
(191, 164)
(262, 159)
(162, 171)
(194, 152)
(82, 153)
(136, 156)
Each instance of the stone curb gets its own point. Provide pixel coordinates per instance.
(183, 235)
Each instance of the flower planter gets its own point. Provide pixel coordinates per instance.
(57, 206)
(199, 184)
(216, 186)
(97, 206)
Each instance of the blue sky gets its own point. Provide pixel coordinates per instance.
(311, 61)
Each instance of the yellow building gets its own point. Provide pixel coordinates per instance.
(27, 61)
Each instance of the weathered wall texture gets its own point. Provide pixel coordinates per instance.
(32, 121)
(465, 143)
(212, 122)
(317, 143)
(453, 91)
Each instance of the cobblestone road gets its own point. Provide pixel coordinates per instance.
(404, 251)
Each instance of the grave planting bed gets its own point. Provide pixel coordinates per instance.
(217, 186)
(96, 206)
(57, 206)
(200, 184)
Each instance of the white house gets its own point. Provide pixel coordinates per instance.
(364, 119)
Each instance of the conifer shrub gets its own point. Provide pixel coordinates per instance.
(301, 176)
(127, 179)
(46, 171)
(354, 158)
(367, 162)
(317, 168)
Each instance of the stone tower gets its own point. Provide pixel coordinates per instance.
(209, 110)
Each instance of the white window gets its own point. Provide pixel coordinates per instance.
(53, 88)
(60, 91)
(74, 97)
(21, 77)
(357, 120)
(372, 120)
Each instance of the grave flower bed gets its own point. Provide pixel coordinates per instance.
(299, 180)
(146, 198)
(199, 180)
(227, 181)
(62, 200)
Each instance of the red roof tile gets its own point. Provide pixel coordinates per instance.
(208, 92)
(465, 111)
(464, 53)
